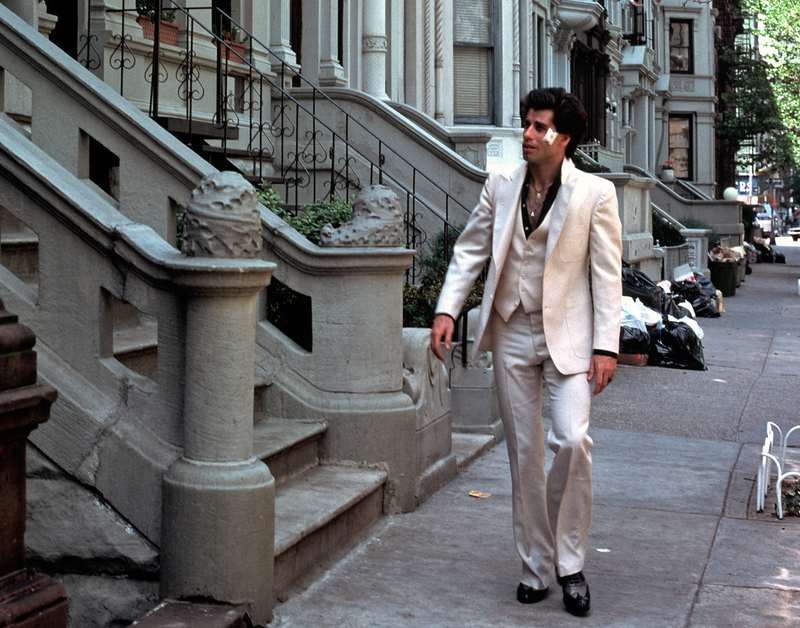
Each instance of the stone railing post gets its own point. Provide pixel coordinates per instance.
(26, 597)
(472, 387)
(698, 248)
(218, 522)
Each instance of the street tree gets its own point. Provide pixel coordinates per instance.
(779, 33)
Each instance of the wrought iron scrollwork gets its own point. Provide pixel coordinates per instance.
(295, 174)
(282, 125)
(122, 57)
(300, 135)
(226, 116)
(260, 145)
(313, 153)
(250, 100)
(163, 73)
(88, 55)
(189, 86)
(344, 178)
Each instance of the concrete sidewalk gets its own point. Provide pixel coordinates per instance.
(675, 541)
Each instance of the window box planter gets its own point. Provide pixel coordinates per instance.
(230, 53)
(168, 33)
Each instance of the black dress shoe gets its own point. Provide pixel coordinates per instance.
(527, 595)
(576, 593)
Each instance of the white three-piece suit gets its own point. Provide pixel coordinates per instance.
(543, 316)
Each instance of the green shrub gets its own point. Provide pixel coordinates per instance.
(587, 165)
(310, 219)
(268, 196)
(665, 233)
(147, 8)
(696, 223)
(288, 310)
(419, 302)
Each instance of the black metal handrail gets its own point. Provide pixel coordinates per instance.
(290, 144)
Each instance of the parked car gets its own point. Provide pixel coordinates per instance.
(795, 233)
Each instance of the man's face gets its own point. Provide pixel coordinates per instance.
(535, 148)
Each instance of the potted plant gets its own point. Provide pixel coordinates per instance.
(235, 45)
(168, 31)
(668, 171)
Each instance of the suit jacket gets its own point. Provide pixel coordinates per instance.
(585, 233)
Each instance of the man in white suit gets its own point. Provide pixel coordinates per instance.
(550, 311)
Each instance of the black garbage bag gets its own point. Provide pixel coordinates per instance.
(705, 307)
(705, 285)
(637, 285)
(633, 340)
(666, 305)
(765, 254)
(702, 303)
(675, 345)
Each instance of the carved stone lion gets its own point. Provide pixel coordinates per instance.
(222, 218)
(377, 221)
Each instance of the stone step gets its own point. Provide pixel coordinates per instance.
(199, 130)
(319, 515)
(175, 613)
(289, 448)
(233, 152)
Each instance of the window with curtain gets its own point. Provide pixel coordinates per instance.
(681, 53)
(681, 145)
(473, 57)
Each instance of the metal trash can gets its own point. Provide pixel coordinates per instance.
(723, 276)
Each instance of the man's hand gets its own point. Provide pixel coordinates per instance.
(603, 367)
(441, 331)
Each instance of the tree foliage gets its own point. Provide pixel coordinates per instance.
(779, 35)
(754, 112)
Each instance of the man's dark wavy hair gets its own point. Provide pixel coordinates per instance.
(569, 116)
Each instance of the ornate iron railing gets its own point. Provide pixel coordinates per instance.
(295, 138)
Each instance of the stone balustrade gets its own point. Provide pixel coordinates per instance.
(353, 378)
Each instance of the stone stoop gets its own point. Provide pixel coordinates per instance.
(321, 510)
(289, 448)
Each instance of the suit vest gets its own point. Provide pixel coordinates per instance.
(521, 279)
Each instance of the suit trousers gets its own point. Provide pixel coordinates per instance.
(552, 510)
